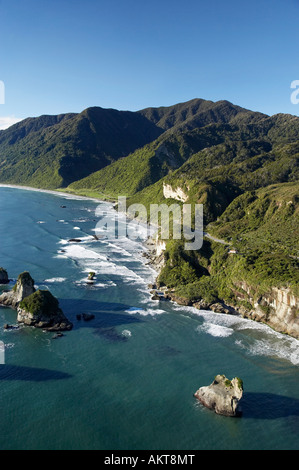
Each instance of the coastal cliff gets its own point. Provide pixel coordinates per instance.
(177, 193)
(277, 307)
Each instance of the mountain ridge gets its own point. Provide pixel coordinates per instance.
(242, 165)
(51, 151)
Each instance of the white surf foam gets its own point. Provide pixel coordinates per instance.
(215, 330)
(79, 221)
(145, 312)
(77, 251)
(268, 347)
(259, 338)
(99, 260)
(105, 285)
(55, 279)
(126, 333)
(133, 310)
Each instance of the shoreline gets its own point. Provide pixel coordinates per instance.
(164, 293)
(56, 192)
(155, 261)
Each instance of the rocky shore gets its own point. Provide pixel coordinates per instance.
(161, 293)
(279, 309)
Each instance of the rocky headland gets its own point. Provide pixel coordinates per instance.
(279, 308)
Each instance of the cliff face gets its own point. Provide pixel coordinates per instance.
(177, 193)
(279, 308)
(160, 246)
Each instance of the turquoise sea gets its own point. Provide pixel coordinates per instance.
(125, 380)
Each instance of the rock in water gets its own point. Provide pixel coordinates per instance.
(3, 276)
(88, 316)
(35, 308)
(23, 287)
(222, 396)
(41, 309)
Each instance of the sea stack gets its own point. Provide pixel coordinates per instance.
(222, 396)
(23, 287)
(3, 276)
(36, 308)
(41, 310)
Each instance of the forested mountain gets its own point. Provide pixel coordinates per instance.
(243, 166)
(54, 151)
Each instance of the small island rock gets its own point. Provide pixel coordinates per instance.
(23, 287)
(88, 316)
(35, 307)
(91, 278)
(3, 276)
(222, 396)
(41, 309)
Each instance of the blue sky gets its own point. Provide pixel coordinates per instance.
(62, 56)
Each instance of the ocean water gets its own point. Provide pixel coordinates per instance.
(125, 380)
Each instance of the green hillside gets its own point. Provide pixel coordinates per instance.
(247, 181)
(217, 174)
(265, 220)
(56, 151)
(243, 166)
(261, 229)
(174, 147)
(53, 151)
(140, 169)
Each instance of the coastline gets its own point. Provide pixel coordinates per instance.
(163, 293)
(167, 340)
(156, 262)
(56, 192)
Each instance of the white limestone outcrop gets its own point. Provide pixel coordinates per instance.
(223, 395)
